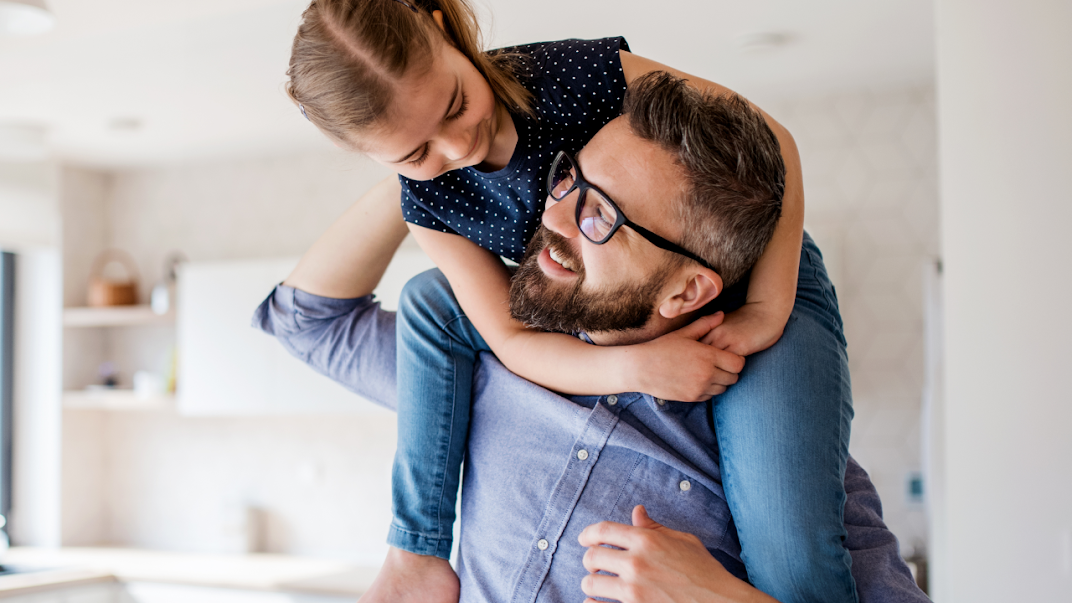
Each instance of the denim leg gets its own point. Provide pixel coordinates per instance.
(437, 346)
(783, 433)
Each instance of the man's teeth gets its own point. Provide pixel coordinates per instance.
(561, 261)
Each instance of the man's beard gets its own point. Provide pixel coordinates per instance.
(541, 303)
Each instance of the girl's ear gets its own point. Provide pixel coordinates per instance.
(697, 291)
(437, 15)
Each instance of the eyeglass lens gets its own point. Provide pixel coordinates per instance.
(596, 216)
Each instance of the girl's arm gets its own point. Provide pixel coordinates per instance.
(350, 258)
(675, 366)
(772, 289)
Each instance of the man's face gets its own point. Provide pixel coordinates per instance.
(566, 282)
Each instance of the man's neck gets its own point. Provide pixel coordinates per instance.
(657, 326)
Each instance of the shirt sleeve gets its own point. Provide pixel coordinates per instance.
(881, 575)
(352, 341)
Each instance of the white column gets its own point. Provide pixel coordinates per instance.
(36, 471)
(30, 227)
(1004, 83)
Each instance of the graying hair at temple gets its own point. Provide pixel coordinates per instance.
(732, 161)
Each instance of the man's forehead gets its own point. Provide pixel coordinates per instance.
(641, 178)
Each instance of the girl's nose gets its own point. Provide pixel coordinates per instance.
(457, 143)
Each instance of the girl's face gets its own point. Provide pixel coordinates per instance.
(442, 119)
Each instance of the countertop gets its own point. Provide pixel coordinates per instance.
(256, 571)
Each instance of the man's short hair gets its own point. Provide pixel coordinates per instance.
(735, 176)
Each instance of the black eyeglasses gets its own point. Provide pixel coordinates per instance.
(598, 218)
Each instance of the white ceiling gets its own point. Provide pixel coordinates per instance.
(204, 77)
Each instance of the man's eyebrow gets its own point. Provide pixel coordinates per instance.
(446, 114)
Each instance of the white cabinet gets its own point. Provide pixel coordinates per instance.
(226, 367)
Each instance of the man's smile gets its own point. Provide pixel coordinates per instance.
(556, 264)
(561, 259)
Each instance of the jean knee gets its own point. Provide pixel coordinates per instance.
(428, 297)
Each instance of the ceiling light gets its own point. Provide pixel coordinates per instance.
(763, 41)
(24, 18)
(125, 124)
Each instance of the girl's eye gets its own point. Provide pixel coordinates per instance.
(420, 160)
(461, 109)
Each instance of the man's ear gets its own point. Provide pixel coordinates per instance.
(698, 289)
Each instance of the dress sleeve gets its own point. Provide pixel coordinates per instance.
(881, 574)
(415, 209)
(352, 341)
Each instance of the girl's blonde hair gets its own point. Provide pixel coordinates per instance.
(348, 56)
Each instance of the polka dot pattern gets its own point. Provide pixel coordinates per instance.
(577, 87)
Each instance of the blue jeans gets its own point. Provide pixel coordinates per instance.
(783, 438)
(783, 433)
(437, 347)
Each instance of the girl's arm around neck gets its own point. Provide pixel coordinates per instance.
(773, 286)
(672, 367)
(349, 259)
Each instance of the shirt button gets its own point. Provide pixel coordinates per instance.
(612, 399)
(542, 545)
(685, 485)
(582, 454)
(660, 401)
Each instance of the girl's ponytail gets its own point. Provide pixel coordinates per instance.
(463, 31)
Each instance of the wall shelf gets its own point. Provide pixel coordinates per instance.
(116, 399)
(115, 316)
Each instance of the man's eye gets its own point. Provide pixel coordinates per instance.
(604, 215)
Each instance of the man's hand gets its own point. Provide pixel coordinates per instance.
(656, 565)
(677, 366)
(751, 328)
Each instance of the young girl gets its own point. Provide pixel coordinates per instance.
(472, 136)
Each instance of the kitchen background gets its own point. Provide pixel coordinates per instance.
(167, 130)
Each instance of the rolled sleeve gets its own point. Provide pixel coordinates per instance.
(351, 341)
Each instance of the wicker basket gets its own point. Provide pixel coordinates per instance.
(104, 292)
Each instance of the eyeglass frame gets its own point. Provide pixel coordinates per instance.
(582, 185)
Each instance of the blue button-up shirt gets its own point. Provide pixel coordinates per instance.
(541, 467)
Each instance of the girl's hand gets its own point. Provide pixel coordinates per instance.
(749, 329)
(677, 366)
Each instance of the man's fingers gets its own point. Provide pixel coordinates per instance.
(641, 519)
(601, 558)
(607, 532)
(599, 585)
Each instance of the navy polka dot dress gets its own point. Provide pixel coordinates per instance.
(577, 87)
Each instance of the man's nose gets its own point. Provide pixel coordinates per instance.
(559, 215)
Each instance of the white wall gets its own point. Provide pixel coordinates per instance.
(1004, 93)
(870, 168)
(29, 212)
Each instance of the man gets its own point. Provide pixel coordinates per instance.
(550, 480)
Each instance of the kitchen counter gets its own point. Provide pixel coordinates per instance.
(258, 571)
